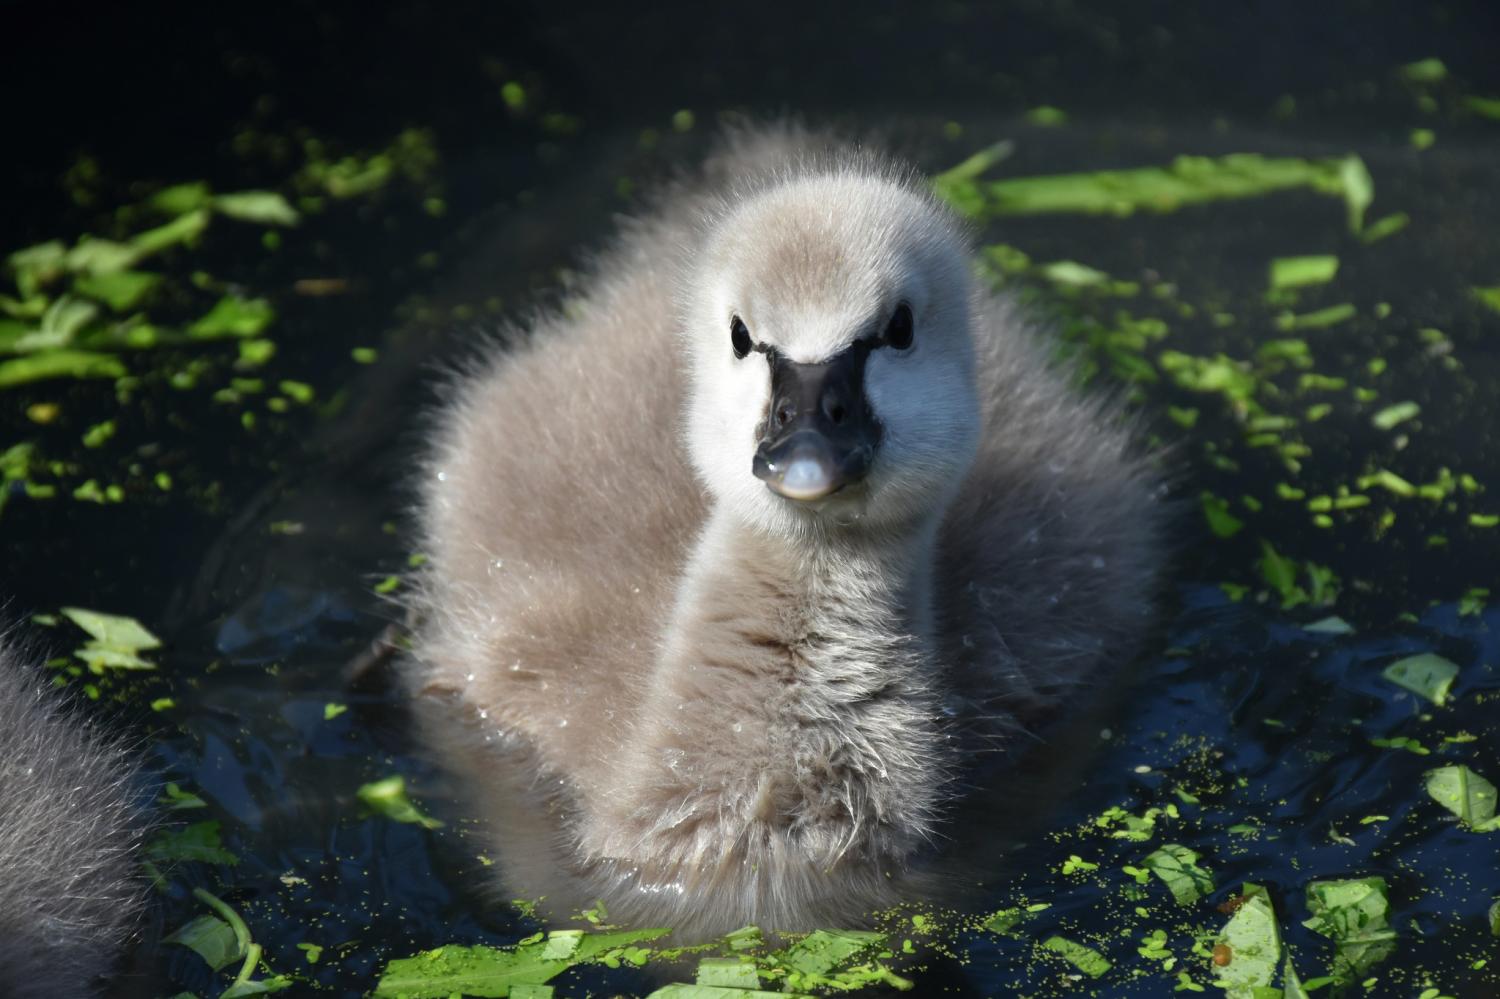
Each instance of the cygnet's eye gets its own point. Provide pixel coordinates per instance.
(899, 333)
(739, 335)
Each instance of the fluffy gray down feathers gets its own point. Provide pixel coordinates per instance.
(708, 714)
(70, 890)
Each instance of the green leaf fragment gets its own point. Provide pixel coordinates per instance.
(388, 797)
(1425, 71)
(1253, 940)
(528, 991)
(1177, 866)
(176, 798)
(683, 991)
(1047, 117)
(112, 630)
(1391, 416)
(1389, 481)
(37, 265)
(298, 391)
(728, 972)
(1072, 274)
(212, 939)
(1320, 319)
(1426, 674)
(266, 207)
(198, 842)
(1216, 511)
(120, 290)
(1331, 625)
(1187, 180)
(821, 951)
(101, 256)
(1466, 794)
(1353, 914)
(1358, 189)
(1291, 984)
(1488, 297)
(179, 199)
(1385, 226)
(1299, 272)
(184, 229)
(59, 364)
(1085, 959)
(258, 987)
(233, 316)
(493, 971)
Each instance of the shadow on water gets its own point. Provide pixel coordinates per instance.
(260, 568)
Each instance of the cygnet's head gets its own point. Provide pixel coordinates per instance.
(831, 347)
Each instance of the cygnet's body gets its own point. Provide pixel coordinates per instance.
(726, 559)
(70, 889)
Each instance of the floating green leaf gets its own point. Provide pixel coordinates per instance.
(1299, 272)
(1188, 180)
(186, 228)
(266, 207)
(1072, 274)
(59, 324)
(1427, 674)
(213, 939)
(1425, 71)
(197, 842)
(59, 364)
(1386, 225)
(822, 950)
(1488, 297)
(1253, 946)
(1216, 511)
(728, 972)
(113, 630)
(1047, 117)
(1177, 866)
(116, 641)
(388, 797)
(1085, 959)
(180, 199)
(1354, 914)
(1331, 625)
(1292, 985)
(1390, 416)
(1319, 319)
(1466, 794)
(37, 265)
(120, 290)
(234, 317)
(700, 991)
(101, 256)
(177, 799)
(493, 971)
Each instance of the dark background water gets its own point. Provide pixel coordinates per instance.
(260, 624)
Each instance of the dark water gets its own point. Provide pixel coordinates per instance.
(1265, 723)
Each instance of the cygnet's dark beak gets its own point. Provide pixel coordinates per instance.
(820, 434)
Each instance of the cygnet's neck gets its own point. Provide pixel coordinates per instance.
(793, 698)
(821, 583)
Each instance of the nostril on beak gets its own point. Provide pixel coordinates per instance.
(784, 414)
(833, 408)
(836, 414)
